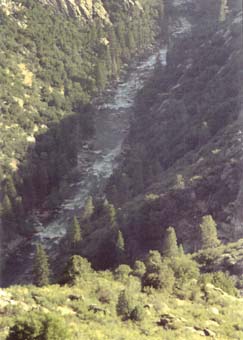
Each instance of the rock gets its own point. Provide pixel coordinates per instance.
(214, 310)
(170, 321)
(208, 332)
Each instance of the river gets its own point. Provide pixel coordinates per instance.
(96, 161)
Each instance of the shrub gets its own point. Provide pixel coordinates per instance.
(137, 313)
(122, 272)
(221, 280)
(123, 307)
(162, 279)
(37, 326)
(139, 269)
(104, 295)
(77, 267)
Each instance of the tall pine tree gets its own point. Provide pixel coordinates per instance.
(88, 208)
(120, 247)
(209, 235)
(41, 271)
(170, 247)
(75, 233)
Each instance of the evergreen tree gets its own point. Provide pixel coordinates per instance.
(88, 208)
(110, 215)
(120, 247)
(170, 247)
(101, 76)
(41, 267)
(209, 236)
(181, 250)
(75, 233)
(138, 313)
(123, 307)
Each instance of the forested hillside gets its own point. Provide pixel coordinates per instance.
(183, 158)
(143, 239)
(52, 64)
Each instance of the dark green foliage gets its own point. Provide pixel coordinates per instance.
(101, 76)
(88, 209)
(221, 280)
(185, 270)
(162, 279)
(110, 215)
(137, 313)
(139, 269)
(67, 63)
(120, 247)
(209, 236)
(181, 250)
(158, 273)
(76, 268)
(170, 247)
(36, 326)
(123, 307)
(41, 270)
(74, 233)
(153, 261)
(181, 115)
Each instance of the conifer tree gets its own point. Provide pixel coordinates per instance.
(123, 307)
(170, 247)
(88, 208)
(101, 76)
(75, 232)
(41, 267)
(110, 212)
(209, 236)
(181, 250)
(120, 246)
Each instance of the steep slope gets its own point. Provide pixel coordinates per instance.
(52, 65)
(184, 157)
(113, 305)
(85, 10)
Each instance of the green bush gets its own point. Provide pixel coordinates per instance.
(77, 268)
(221, 280)
(137, 314)
(37, 326)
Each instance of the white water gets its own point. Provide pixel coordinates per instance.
(181, 25)
(112, 125)
(95, 165)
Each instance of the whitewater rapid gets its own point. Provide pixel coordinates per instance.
(96, 162)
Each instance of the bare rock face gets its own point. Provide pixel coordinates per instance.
(83, 9)
(87, 9)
